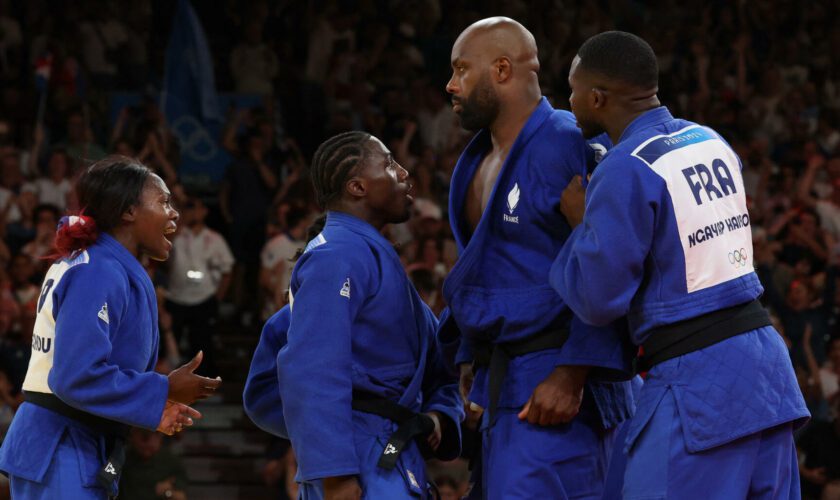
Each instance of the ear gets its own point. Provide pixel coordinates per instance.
(356, 187)
(598, 98)
(129, 215)
(502, 70)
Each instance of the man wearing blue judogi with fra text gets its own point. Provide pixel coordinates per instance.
(665, 240)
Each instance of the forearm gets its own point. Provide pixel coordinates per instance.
(267, 175)
(224, 284)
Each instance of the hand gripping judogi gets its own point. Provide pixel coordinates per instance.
(361, 367)
(506, 319)
(666, 241)
(90, 376)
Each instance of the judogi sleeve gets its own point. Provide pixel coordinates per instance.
(453, 347)
(261, 397)
(601, 265)
(315, 368)
(440, 391)
(605, 349)
(83, 375)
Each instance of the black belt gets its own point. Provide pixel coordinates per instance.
(411, 425)
(693, 334)
(110, 471)
(497, 357)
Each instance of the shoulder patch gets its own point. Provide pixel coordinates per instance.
(76, 258)
(103, 314)
(316, 242)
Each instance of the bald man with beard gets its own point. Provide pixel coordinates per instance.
(537, 371)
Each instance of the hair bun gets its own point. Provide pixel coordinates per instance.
(75, 232)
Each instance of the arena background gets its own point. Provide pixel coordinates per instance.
(227, 100)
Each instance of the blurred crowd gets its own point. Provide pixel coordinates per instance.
(766, 75)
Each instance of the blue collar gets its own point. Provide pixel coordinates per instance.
(357, 225)
(121, 253)
(481, 142)
(652, 118)
(470, 160)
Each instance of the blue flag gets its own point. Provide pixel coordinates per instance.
(190, 102)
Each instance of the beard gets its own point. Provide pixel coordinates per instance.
(480, 109)
(590, 128)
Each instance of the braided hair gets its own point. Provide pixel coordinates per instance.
(334, 162)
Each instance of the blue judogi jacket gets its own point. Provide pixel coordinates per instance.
(666, 237)
(95, 346)
(498, 290)
(261, 397)
(357, 323)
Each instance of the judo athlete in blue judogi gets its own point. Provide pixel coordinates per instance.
(547, 425)
(95, 344)
(665, 240)
(363, 387)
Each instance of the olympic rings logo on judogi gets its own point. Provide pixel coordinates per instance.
(738, 258)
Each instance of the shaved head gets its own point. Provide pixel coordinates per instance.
(497, 37)
(494, 70)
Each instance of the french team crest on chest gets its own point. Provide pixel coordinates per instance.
(512, 202)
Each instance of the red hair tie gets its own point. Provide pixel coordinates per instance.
(74, 233)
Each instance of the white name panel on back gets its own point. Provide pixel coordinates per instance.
(43, 335)
(703, 176)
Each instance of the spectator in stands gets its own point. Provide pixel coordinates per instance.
(152, 471)
(10, 399)
(46, 220)
(15, 344)
(55, 186)
(11, 41)
(79, 142)
(245, 196)
(199, 276)
(253, 63)
(819, 466)
(436, 119)
(276, 259)
(22, 277)
(103, 40)
(826, 199)
(279, 470)
(11, 182)
(829, 375)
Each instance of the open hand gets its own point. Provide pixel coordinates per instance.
(175, 417)
(187, 387)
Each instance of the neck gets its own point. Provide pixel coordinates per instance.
(633, 107)
(197, 227)
(359, 211)
(512, 118)
(126, 239)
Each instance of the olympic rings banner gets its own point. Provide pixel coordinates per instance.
(203, 159)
